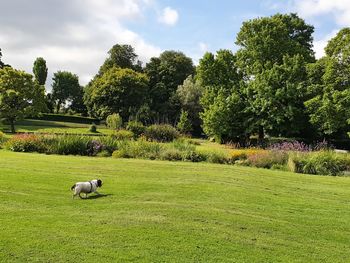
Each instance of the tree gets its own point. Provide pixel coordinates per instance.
(184, 125)
(118, 90)
(329, 87)
(20, 96)
(40, 70)
(114, 121)
(122, 56)
(224, 116)
(166, 73)
(189, 94)
(270, 46)
(65, 88)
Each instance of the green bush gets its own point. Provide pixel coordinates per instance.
(136, 127)
(110, 144)
(93, 128)
(25, 143)
(217, 157)
(2, 137)
(114, 121)
(193, 156)
(161, 133)
(70, 145)
(322, 163)
(123, 135)
(171, 154)
(267, 159)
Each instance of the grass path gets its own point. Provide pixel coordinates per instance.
(158, 211)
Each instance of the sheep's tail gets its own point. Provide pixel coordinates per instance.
(73, 187)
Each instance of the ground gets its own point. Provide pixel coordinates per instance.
(157, 211)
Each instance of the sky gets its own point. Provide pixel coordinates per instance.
(75, 35)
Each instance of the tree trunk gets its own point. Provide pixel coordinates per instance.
(58, 106)
(12, 124)
(261, 134)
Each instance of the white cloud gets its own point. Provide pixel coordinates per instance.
(71, 35)
(340, 9)
(203, 47)
(319, 45)
(168, 16)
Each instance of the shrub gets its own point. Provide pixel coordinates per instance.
(171, 154)
(2, 137)
(25, 143)
(161, 133)
(193, 156)
(93, 128)
(217, 157)
(114, 121)
(322, 162)
(93, 148)
(110, 144)
(136, 127)
(182, 145)
(70, 144)
(184, 125)
(123, 135)
(242, 154)
(291, 146)
(266, 159)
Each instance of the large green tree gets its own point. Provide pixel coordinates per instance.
(20, 96)
(166, 73)
(329, 87)
(65, 88)
(122, 56)
(40, 70)
(189, 95)
(118, 90)
(224, 115)
(271, 50)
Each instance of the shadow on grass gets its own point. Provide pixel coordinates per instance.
(96, 196)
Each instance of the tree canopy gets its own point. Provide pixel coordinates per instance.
(40, 70)
(20, 96)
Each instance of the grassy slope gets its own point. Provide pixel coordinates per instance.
(54, 127)
(168, 212)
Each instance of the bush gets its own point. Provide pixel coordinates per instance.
(171, 154)
(161, 133)
(70, 144)
(26, 143)
(322, 162)
(114, 121)
(184, 125)
(123, 135)
(242, 154)
(110, 144)
(136, 127)
(93, 128)
(193, 156)
(267, 159)
(2, 137)
(94, 147)
(217, 157)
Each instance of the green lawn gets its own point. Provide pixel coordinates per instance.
(158, 211)
(54, 127)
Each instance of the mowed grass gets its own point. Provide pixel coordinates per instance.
(157, 211)
(41, 126)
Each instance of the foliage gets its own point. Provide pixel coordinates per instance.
(122, 56)
(93, 128)
(121, 91)
(166, 73)
(19, 96)
(242, 154)
(25, 143)
(2, 137)
(136, 127)
(123, 135)
(40, 70)
(184, 125)
(2, 64)
(189, 95)
(67, 118)
(114, 121)
(267, 159)
(161, 133)
(329, 87)
(322, 162)
(65, 88)
(69, 145)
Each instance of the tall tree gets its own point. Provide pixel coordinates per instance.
(270, 46)
(329, 87)
(223, 101)
(65, 88)
(40, 70)
(122, 56)
(121, 91)
(189, 94)
(166, 73)
(20, 96)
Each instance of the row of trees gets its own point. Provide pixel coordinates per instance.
(272, 85)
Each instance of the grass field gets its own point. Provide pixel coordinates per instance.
(54, 127)
(156, 211)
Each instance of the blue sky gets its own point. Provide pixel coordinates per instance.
(75, 35)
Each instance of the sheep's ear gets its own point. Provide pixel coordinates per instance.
(99, 183)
